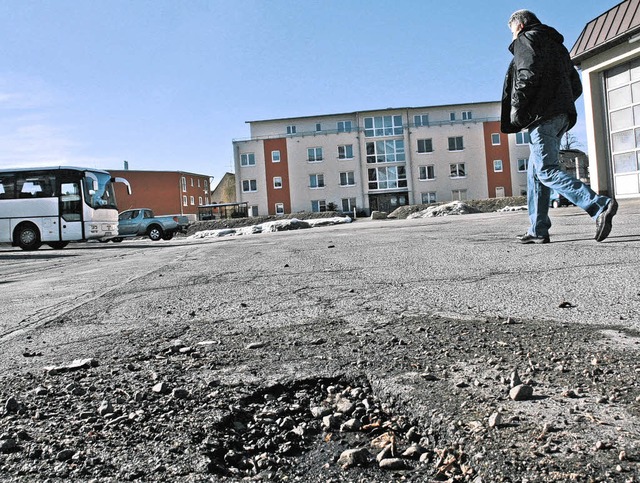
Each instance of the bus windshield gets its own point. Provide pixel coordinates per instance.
(104, 195)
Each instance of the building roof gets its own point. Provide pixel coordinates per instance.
(375, 110)
(613, 27)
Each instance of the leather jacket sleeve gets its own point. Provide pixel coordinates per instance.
(526, 81)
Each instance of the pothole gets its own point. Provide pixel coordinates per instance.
(321, 426)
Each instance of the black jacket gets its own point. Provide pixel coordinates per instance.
(541, 81)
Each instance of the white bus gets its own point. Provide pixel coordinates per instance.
(56, 205)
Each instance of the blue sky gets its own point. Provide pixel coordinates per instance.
(168, 84)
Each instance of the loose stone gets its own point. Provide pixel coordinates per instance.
(521, 392)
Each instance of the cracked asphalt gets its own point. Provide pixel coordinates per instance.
(435, 313)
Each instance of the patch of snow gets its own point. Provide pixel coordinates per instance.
(270, 227)
(453, 208)
(513, 208)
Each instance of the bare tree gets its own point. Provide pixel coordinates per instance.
(569, 141)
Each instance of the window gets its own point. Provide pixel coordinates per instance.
(249, 185)
(318, 126)
(291, 129)
(457, 170)
(248, 159)
(199, 200)
(345, 152)
(429, 197)
(279, 209)
(522, 137)
(347, 179)
(277, 182)
(421, 120)
(425, 146)
(456, 144)
(253, 210)
(192, 200)
(459, 195)
(198, 182)
(344, 126)
(275, 156)
(206, 185)
(392, 177)
(523, 164)
(386, 151)
(316, 181)
(183, 181)
(191, 182)
(206, 200)
(318, 205)
(499, 191)
(382, 126)
(495, 139)
(184, 200)
(427, 172)
(466, 115)
(497, 165)
(348, 204)
(452, 116)
(314, 155)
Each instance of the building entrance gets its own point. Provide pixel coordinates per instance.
(388, 202)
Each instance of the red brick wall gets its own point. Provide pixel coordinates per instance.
(501, 152)
(161, 191)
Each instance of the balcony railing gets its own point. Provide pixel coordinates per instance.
(325, 132)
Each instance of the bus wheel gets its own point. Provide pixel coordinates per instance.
(28, 237)
(58, 245)
(155, 232)
(168, 235)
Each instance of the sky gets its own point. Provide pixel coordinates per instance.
(169, 84)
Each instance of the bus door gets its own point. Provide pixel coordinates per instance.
(70, 211)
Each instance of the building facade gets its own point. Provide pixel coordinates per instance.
(608, 54)
(379, 160)
(164, 192)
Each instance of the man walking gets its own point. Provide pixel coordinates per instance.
(540, 90)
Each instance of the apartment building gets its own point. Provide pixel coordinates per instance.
(379, 159)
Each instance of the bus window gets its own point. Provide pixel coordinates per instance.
(7, 187)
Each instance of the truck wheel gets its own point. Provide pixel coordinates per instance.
(556, 203)
(59, 245)
(155, 232)
(28, 237)
(116, 239)
(167, 235)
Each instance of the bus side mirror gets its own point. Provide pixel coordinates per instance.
(122, 180)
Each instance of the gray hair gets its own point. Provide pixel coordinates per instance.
(525, 17)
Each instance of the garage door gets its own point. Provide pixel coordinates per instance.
(623, 106)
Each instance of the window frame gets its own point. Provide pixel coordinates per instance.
(348, 176)
(426, 143)
(315, 158)
(274, 156)
(525, 162)
(495, 166)
(455, 167)
(524, 138)
(421, 120)
(455, 142)
(247, 159)
(345, 148)
(319, 180)
(493, 142)
(250, 183)
(277, 182)
(428, 169)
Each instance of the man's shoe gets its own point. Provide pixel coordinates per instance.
(527, 239)
(603, 222)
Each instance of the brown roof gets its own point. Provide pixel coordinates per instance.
(609, 29)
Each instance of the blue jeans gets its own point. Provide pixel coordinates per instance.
(544, 174)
